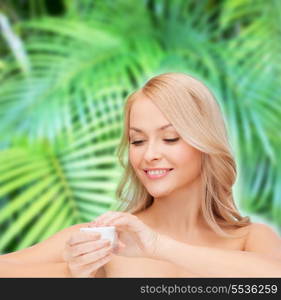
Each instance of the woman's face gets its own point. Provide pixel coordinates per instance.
(153, 148)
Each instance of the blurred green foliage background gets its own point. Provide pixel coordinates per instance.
(66, 67)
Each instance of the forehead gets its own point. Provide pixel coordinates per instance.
(144, 111)
(145, 116)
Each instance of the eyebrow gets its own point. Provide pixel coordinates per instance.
(161, 128)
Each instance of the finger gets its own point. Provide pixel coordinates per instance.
(109, 220)
(95, 266)
(66, 255)
(103, 216)
(126, 223)
(86, 271)
(84, 248)
(80, 237)
(119, 247)
(101, 262)
(92, 223)
(91, 256)
(108, 215)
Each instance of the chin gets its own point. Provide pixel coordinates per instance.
(158, 194)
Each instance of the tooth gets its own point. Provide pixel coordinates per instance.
(157, 172)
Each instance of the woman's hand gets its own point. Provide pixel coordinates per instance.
(85, 253)
(134, 237)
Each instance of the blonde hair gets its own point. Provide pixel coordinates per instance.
(193, 111)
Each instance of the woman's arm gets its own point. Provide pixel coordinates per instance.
(261, 258)
(40, 260)
(47, 251)
(17, 269)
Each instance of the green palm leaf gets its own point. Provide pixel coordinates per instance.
(61, 121)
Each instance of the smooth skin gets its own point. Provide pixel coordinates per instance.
(171, 225)
(68, 253)
(55, 258)
(86, 253)
(261, 258)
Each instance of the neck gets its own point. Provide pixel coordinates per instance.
(179, 214)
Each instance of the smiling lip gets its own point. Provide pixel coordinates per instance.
(156, 176)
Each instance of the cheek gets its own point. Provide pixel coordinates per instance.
(134, 157)
(188, 158)
(184, 154)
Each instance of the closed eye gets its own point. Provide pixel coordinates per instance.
(166, 140)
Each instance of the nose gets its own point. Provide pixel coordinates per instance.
(152, 152)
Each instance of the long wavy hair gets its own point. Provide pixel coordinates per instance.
(195, 114)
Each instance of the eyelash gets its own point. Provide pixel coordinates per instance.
(166, 140)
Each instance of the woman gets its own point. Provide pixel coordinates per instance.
(178, 217)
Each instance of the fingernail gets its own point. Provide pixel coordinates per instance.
(105, 241)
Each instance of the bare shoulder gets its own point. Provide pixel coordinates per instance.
(49, 250)
(263, 239)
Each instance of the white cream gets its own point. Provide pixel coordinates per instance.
(107, 233)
